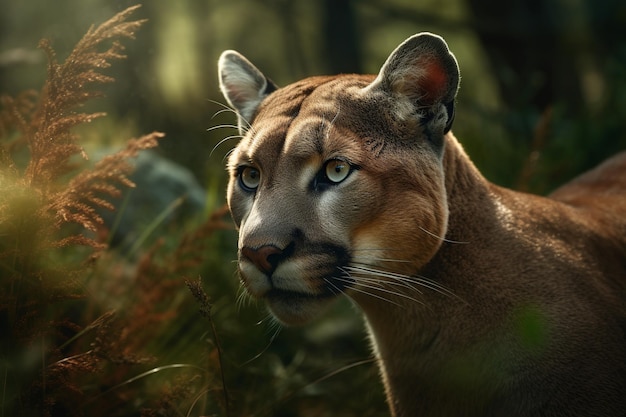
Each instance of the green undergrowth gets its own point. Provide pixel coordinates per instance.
(159, 328)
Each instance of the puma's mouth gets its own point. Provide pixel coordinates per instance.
(296, 288)
(333, 288)
(277, 294)
(295, 308)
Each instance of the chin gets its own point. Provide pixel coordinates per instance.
(293, 309)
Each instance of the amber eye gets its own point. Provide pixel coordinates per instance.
(337, 170)
(249, 178)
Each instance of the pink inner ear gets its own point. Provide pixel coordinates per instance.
(241, 95)
(433, 81)
(237, 95)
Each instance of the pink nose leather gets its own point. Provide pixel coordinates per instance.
(265, 258)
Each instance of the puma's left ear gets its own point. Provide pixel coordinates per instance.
(424, 70)
(243, 85)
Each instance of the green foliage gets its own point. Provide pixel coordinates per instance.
(86, 329)
(43, 267)
(91, 330)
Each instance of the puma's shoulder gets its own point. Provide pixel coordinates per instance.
(599, 196)
(603, 186)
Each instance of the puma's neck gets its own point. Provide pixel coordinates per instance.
(419, 338)
(474, 207)
(510, 259)
(474, 203)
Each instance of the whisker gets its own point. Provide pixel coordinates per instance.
(278, 328)
(443, 239)
(333, 287)
(247, 125)
(382, 259)
(380, 286)
(228, 154)
(398, 283)
(432, 285)
(399, 277)
(390, 250)
(226, 139)
(222, 126)
(227, 110)
(374, 295)
(244, 299)
(226, 106)
(418, 279)
(362, 291)
(332, 122)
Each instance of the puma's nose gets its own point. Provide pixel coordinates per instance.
(265, 258)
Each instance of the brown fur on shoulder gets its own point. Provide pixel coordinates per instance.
(479, 300)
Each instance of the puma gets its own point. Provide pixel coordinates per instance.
(479, 300)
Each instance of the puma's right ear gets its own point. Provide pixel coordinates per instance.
(243, 85)
(423, 70)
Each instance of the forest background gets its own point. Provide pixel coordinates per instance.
(543, 97)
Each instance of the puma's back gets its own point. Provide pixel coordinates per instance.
(480, 301)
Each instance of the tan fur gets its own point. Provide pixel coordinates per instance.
(519, 311)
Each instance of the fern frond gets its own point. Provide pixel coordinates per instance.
(88, 191)
(15, 115)
(40, 280)
(68, 87)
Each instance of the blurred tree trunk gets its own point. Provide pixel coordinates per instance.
(341, 42)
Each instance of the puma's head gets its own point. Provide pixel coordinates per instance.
(338, 177)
